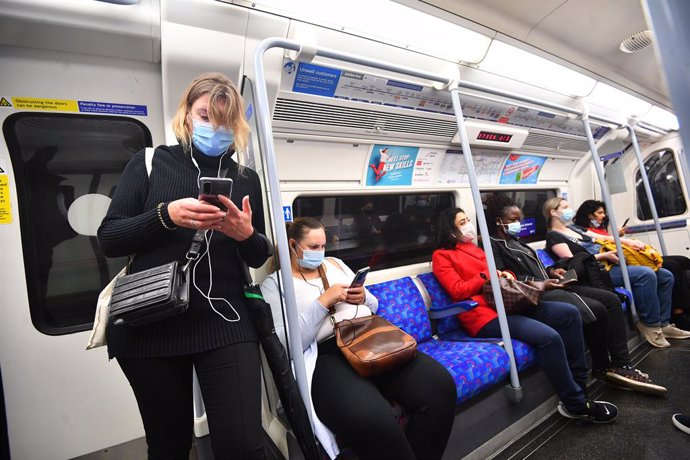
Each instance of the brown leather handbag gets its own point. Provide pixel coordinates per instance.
(371, 345)
(518, 296)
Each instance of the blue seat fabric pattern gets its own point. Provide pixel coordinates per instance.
(474, 365)
(449, 328)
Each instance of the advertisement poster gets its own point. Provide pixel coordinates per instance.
(426, 166)
(521, 169)
(391, 165)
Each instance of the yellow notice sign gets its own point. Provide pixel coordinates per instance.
(34, 103)
(5, 208)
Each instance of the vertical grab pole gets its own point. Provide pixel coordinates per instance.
(516, 393)
(647, 189)
(609, 206)
(266, 136)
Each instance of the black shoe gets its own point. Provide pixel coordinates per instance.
(593, 411)
(682, 422)
(629, 378)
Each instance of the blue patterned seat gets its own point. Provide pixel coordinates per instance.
(449, 328)
(474, 366)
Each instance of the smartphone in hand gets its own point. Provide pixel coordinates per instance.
(568, 277)
(211, 187)
(360, 277)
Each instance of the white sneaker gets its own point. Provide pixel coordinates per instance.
(672, 332)
(653, 335)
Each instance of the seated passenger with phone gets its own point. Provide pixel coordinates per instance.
(355, 408)
(602, 316)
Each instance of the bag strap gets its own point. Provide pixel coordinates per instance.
(324, 280)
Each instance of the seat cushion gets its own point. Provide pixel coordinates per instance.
(401, 303)
(474, 366)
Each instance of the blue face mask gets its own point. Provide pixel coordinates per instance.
(566, 215)
(212, 142)
(595, 223)
(311, 260)
(512, 228)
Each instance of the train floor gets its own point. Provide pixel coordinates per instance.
(643, 428)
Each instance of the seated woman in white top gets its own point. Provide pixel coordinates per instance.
(352, 407)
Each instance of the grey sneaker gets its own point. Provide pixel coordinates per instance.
(653, 335)
(682, 422)
(672, 332)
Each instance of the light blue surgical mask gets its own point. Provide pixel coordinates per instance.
(212, 142)
(595, 223)
(513, 228)
(311, 260)
(566, 215)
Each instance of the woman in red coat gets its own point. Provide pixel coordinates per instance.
(554, 329)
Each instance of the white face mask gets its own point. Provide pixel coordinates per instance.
(468, 233)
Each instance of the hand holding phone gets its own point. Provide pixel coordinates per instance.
(211, 187)
(568, 277)
(360, 277)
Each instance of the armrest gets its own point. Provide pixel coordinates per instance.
(451, 309)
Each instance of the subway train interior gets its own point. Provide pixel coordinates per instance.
(371, 116)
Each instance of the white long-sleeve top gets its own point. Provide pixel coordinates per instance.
(314, 321)
(315, 324)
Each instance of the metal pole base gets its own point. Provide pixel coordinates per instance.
(514, 394)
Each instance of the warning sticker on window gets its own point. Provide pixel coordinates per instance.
(67, 105)
(5, 208)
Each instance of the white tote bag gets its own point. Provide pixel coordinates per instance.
(100, 321)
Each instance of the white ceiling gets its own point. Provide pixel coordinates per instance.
(585, 33)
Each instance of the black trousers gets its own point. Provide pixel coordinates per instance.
(359, 411)
(679, 266)
(230, 382)
(606, 337)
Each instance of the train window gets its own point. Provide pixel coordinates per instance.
(530, 201)
(381, 231)
(666, 189)
(66, 168)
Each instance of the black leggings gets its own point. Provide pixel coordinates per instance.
(230, 382)
(357, 409)
(606, 337)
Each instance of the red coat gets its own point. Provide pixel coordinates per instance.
(458, 270)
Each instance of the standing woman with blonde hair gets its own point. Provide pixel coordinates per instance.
(153, 218)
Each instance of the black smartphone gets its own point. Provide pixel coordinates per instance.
(568, 277)
(211, 187)
(360, 277)
(626, 222)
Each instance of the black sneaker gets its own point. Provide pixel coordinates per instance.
(633, 379)
(682, 422)
(593, 411)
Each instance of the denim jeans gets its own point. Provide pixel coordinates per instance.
(554, 329)
(653, 292)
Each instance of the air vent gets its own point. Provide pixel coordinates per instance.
(313, 114)
(550, 141)
(636, 42)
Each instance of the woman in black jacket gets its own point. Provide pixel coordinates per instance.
(602, 316)
(154, 218)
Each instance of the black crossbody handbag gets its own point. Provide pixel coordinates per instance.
(154, 294)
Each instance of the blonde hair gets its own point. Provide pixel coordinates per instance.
(550, 205)
(226, 108)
